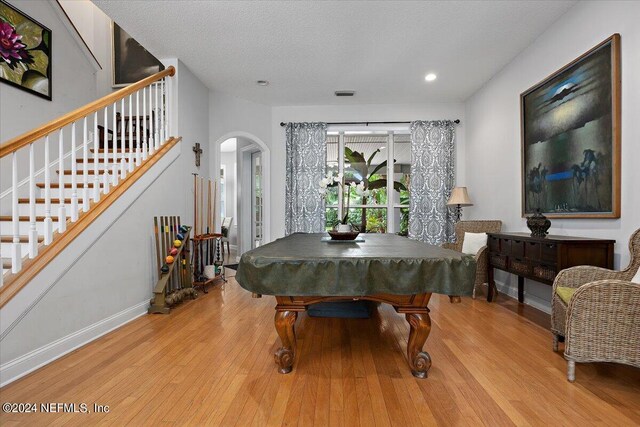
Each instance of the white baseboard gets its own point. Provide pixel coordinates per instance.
(27, 363)
(532, 300)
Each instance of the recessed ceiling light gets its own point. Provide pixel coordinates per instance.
(263, 83)
(430, 77)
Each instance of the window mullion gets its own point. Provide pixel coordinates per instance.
(341, 171)
(390, 174)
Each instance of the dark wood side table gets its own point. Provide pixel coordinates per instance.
(540, 259)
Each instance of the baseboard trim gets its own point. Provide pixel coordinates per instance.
(532, 300)
(27, 363)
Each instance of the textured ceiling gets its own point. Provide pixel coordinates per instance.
(309, 49)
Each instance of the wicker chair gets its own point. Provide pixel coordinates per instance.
(482, 257)
(601, 322)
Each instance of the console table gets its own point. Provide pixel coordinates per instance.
(540, 259)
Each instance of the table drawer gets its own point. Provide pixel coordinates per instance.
(519, 267)
(517, 248)
(505, 246)
(532, 251)
(494, 244)
(545, 272)
(549, 252)
(499, 261)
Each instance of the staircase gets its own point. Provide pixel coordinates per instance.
(68, 171)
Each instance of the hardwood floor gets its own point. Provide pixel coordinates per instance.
(210, 362)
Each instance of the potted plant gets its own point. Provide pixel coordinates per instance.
(332, 180)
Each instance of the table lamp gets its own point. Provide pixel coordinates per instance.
(459, 198)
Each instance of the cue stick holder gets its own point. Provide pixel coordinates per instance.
(174, 269)
(207, 258)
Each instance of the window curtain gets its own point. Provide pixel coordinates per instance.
(432, 179)
(306, 162)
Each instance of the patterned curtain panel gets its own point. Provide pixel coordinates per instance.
(306, 160)
(432, 178)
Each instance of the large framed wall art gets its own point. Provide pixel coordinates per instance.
(25, 52)
(131, 61)
(570, 124)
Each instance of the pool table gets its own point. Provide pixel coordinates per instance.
(302, 269)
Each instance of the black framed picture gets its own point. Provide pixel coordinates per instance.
(25, 52)
(131, 62)
(571, 138)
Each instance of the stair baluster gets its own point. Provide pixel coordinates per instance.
(62, 214)
(105, 156)
(145, 138)
(33, 233)
(48, 222)
(114, 139)
(123, 166)
(16, 252)
(130, 142)
(74, 173)
(96, 156)
(137, 128)
(162, 133)
(156, 118)
(85, 166)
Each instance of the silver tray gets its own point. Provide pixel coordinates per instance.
(328, 239)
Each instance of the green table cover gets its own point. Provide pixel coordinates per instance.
(303, 265)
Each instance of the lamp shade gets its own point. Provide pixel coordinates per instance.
(460, 197)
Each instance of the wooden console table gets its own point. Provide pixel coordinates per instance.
(540, 259)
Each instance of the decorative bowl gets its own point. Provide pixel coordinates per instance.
(350, 235)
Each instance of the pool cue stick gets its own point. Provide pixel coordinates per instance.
(201, 223)
(209, 227)
(200, 195)
(194, 255)
(213, 218)
(158, 258)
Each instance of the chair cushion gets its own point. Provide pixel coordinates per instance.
(565, 293)
(472, 242)
(636, 278)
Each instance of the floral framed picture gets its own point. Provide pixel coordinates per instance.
(571, 138)
(25, 52)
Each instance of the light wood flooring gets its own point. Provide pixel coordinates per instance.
(210, 362)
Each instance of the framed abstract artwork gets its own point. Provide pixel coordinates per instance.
(131, 62)
(25, 52)
(570, 124)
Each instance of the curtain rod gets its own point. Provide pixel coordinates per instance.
(456, 121)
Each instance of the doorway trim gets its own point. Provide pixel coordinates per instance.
(266, 173)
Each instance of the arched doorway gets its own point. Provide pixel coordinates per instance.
(245, 160)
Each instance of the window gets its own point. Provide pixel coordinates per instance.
(382, 161)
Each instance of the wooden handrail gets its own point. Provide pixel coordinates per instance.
(31, 267)
(33, 135)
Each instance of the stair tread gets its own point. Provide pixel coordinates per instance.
(25, 218)
(101, 150)
(6, 263)
(66, 185)
(40, 200)
(23, 239)
(89, 172)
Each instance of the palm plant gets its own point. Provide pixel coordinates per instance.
(369, 181)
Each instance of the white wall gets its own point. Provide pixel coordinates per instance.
(74, 81)
(338, 113)
(193, 126)
(231, 117)
(493, 127)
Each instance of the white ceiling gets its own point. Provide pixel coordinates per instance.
(309, 49)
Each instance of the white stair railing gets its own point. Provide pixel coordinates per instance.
(82, 136)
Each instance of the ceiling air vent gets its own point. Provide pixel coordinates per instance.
(345, 93)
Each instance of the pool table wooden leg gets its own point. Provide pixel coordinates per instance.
(285, 355)
(419, 361)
